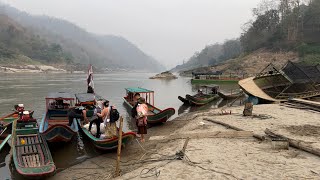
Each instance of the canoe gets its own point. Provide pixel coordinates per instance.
(201, 100)
(108, 144)
(6, 127)
(184, 100)
(155, 115)
(31, 155)
(230, 96)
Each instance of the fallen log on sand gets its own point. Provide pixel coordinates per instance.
(233, 127)
(296, 143)
(214, 134)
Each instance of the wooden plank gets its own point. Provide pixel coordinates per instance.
(29, 146)
(248, 85)
(33, 146)
(38, 159)
(34, 160)
(25, 161)
(233, 127)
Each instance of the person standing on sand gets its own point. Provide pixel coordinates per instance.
(141, 118)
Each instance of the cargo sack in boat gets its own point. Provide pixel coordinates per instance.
(94, 128)
(114, 114)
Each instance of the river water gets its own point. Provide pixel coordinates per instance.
(31, 90)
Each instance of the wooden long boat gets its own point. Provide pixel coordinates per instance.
(230, 96)
(108, 144)
(54, 124)
(155, 115)
(201, 100)
(31, 155)
(6, 128)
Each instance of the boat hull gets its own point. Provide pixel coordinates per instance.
(32, 158)
(57, 132)
(230, 96)
(160, 117)
(108, 144)
(201, 101)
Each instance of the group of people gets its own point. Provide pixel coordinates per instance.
(108, 115)
(101, 112)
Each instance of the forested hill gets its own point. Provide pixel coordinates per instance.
(277, 26)
(19, 45)
(81, 46)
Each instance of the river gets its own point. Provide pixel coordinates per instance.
(31, 90)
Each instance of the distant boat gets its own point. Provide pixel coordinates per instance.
(201, 98)
(155, 115)
(230, 96)
(54, 124)
(31, 155)
(213, 77)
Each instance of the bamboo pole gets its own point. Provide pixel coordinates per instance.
(295, 143)
(117, 173)
(234, 128)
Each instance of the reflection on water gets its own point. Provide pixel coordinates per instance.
(31, 90)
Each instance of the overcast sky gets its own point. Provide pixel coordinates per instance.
(169, 30)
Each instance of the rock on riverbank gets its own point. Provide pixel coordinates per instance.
(164, 75)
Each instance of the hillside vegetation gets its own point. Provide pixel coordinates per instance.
(278, 26)
(69, 43)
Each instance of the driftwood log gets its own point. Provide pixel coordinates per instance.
(234, 128)
(295, 143)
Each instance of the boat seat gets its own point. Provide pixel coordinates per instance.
(30, 152)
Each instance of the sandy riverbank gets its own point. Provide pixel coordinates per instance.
(231, 157)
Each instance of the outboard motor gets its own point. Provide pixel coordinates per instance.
(25, 116)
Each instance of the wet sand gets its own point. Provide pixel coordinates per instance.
(239, 156)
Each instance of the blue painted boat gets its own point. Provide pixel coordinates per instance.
(54, 124)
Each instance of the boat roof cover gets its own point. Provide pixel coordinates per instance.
(138, 90)
(60, 95)
(85, 97)
(302, 73)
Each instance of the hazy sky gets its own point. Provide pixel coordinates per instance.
(169, 30)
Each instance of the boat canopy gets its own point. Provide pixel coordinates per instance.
(85, 97)
(60, 95)
(138, 90)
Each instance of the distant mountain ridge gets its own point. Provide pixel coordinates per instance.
(104, 51)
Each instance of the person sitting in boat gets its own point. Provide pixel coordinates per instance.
(59, 104)
(77, 112)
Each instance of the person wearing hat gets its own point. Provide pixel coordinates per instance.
(77, 112)
(141, 117)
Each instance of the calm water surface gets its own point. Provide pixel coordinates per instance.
(31, 90)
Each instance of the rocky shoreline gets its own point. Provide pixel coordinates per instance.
(214, 151)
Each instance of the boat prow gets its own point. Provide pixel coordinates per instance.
(182, 99)
(108, 144)
(162, 116)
